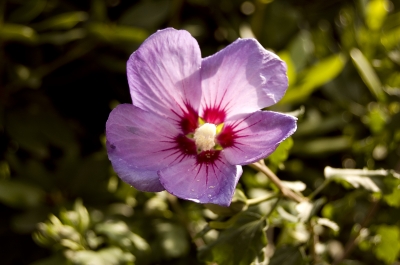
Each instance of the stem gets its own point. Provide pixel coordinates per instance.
(314, 242)
(260, 166)
(273, 207)
(350, 245)
(261, 199)
(319, 189)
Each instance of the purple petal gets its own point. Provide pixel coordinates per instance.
(242, 78)
(202, 182)
(144, 180)
(163, 74)
(255, 136)
(139, 143)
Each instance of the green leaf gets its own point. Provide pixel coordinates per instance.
(105, 256)
(115, 34)
(287, 255)
(328, 223)
(393, 197)
(238, 204)
(315, 124)
(27, 221)
(314, 77)
(146, 14)
(172, 240)
(239, 244)
(20, 194)
(54, 259)
(118, 233)
(63, 37)
(376, 118)
(63, 21)
(367, 74)
(28, 11)
(281, 153)
(15, 32)
(301, 48)
(321, 146)
(98, 10)
(376, 12)
(391, 39)
(291, 69)
(388, 248)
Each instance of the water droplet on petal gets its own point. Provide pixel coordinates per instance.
(198, 180)
(211, 187)
(209, 195)
(192, 189)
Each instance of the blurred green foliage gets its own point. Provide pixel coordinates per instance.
(62, 70)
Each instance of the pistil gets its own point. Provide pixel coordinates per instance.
(204, 136)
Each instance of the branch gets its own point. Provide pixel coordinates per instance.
(260, 166)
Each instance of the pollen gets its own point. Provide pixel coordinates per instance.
(204, 136)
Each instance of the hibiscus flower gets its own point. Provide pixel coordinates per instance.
(194, 122)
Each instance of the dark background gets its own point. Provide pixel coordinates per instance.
(62, 70)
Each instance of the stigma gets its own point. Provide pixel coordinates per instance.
(204, 136)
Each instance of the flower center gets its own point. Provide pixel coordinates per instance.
(204, 136)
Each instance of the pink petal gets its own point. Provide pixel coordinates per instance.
(163, 74)
(242, 78)
(255, 136)
(139, 143)
(202, 182)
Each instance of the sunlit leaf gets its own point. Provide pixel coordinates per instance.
(368, 74)
(388, 247)
(321, 146)
(105, 256)
(391, 38)
(15, 32)
(300, 49)
(20, 194)
(239, 244)
(392, 198)
(368, 179)
(375, 13)
(294, 185)
(328, 223)
(291, 69)
(281, 153)
(62, 38)
(307, 209)
(376, 119)
(118, 233)
(314, 77)
(114, 34)
(62, 21)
